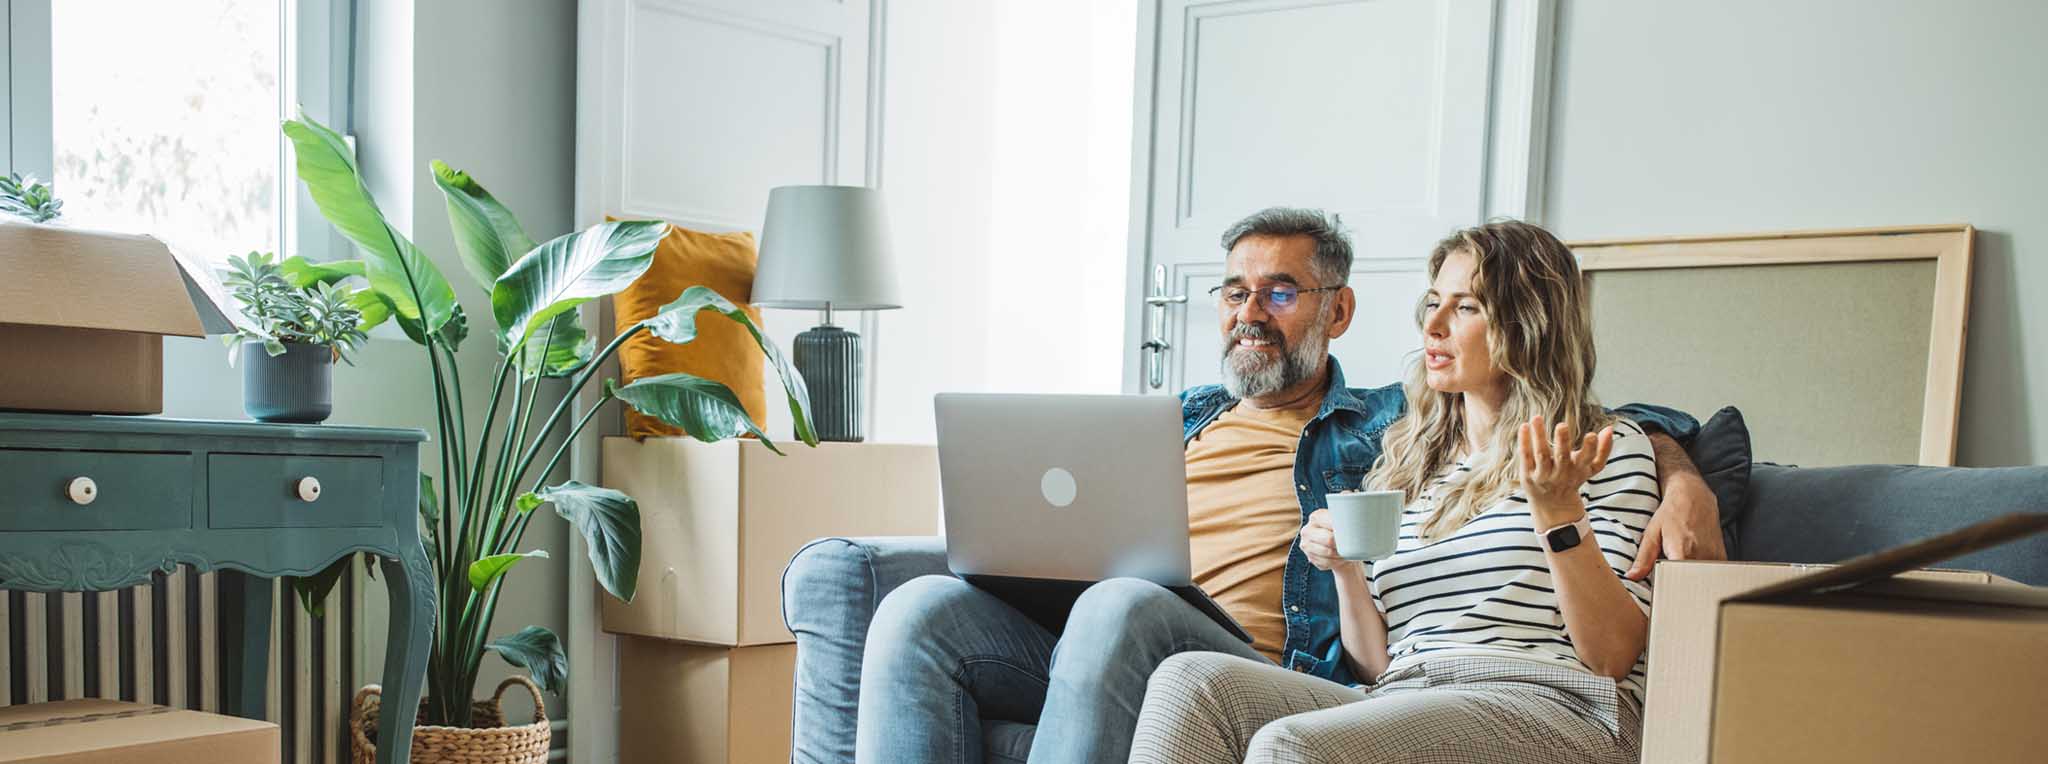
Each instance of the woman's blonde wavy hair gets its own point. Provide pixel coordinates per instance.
(1539, 331)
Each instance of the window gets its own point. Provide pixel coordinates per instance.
(162, 117)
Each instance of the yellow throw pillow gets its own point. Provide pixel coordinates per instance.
(723, 350)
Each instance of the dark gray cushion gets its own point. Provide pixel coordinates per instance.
(1828, 514)
(1721, 452)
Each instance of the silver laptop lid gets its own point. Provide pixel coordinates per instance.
(1072, 487)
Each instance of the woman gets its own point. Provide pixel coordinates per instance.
(1502, 628)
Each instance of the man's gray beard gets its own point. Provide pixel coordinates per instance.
(1250, 374)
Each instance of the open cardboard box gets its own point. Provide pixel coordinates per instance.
(83, 315)
(1684, 631)
(89, 731)
(1870, 660)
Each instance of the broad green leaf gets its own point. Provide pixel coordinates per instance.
(539, 652)
(571, 270)
(610, 523)
(374, 307)
(490, 567)
(486, 234)
(555, 350)
(452, 333)
(676, 322)
(303, 273)
(706, 409)
(392, 264)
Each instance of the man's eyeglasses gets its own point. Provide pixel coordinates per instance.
(1279, 298)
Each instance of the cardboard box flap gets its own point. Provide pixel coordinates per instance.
(207, 296)
(1911, 593)
(1878, 566)
(66, 277)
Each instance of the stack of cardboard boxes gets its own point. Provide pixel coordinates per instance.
(83, 315)
(705, 664)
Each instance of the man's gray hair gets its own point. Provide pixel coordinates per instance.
(1332, 261)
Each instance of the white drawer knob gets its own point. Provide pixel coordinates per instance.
(309, 489)
(82, 491)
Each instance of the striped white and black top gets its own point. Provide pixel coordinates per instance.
(1486, 589)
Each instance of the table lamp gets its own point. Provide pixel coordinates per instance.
(826, 248)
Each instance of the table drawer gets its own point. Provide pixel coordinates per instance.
(279, 491)
(114, 490)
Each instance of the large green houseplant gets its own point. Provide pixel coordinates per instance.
(494, 484)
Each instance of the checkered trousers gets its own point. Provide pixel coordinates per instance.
(1211, 707)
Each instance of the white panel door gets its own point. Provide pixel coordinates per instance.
(690, 111)
(1381, 111)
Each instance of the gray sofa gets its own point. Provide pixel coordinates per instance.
(1779, 514)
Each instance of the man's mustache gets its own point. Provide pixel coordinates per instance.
(1258, 332)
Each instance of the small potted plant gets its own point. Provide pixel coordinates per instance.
(288, 338)
(26, 198)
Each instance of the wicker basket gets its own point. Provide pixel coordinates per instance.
(489, 742)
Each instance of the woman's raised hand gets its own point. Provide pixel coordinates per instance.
(1554, 464)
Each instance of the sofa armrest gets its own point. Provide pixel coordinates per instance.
(829, 595)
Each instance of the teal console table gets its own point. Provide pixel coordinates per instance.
(92, 503)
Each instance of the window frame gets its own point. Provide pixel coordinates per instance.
(316, 42)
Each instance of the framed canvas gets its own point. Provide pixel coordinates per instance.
(1840, 347)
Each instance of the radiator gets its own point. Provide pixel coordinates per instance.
(159, 643)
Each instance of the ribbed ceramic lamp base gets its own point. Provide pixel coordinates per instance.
(829, 359)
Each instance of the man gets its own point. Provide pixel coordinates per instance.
(1262, 450)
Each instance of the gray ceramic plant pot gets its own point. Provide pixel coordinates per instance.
(294, 387)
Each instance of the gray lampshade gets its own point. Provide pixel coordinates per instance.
(825, 244)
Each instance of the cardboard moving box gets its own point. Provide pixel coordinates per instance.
(680, 702)
(1857, 663)
(106, 731)
(719, 522)
(83, 315)
(1683, 618)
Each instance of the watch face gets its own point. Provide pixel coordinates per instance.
(1564, 538)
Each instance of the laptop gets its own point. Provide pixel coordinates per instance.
(1046, 495)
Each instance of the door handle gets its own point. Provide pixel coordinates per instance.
(1155, 345)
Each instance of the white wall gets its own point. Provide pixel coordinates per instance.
(1058, 246)
(1676, 117)
(1006, 164)
(938, 138)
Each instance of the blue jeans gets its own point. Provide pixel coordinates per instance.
(943, 656)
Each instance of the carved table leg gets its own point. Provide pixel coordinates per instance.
(411, 586)
(244, 643)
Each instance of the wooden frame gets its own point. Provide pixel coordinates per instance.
(1950, 247)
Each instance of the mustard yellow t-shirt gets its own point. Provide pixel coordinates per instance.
(1243, 514)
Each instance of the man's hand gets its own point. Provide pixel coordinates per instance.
(1687, 525)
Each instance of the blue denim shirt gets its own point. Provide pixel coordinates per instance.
(1337, 448)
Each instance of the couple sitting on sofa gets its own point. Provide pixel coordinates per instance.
(1509, 624)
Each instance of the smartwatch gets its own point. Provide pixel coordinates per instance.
(1566, 536)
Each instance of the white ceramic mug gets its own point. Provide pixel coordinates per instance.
(1368, 523)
